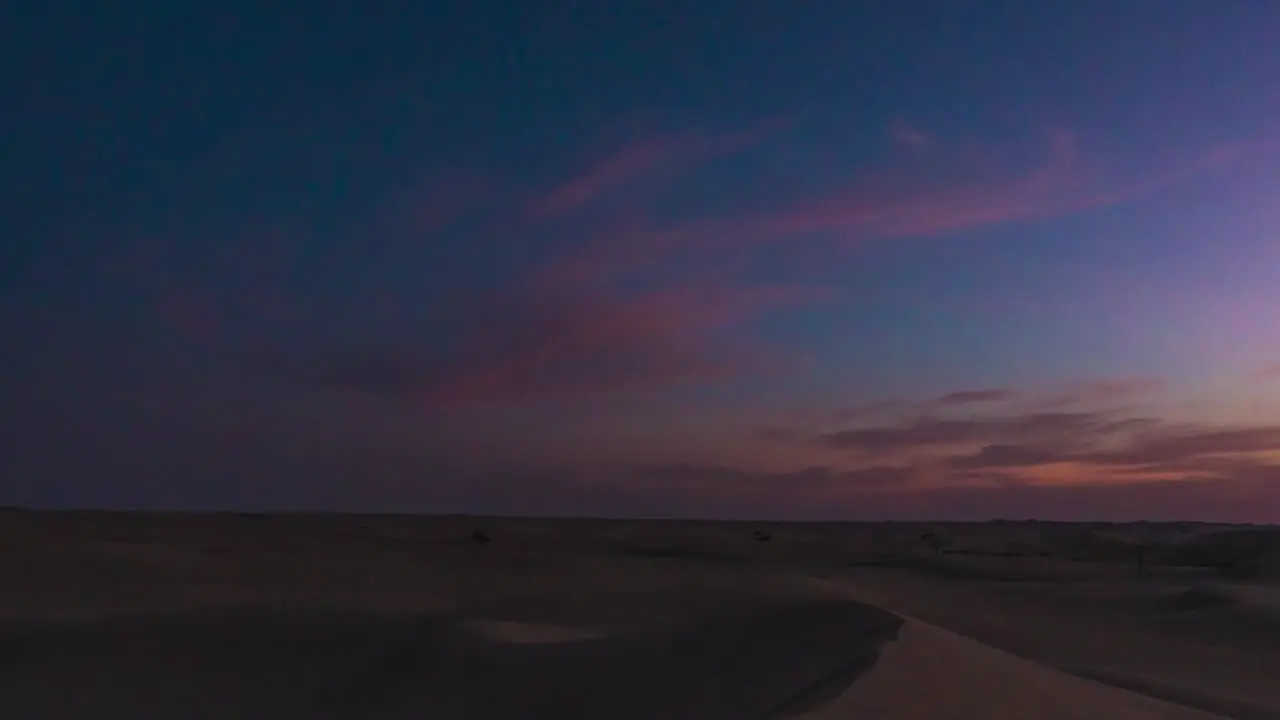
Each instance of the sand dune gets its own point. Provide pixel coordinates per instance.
(264, 663)
(931, 674)
(126, 616)
(799, 659)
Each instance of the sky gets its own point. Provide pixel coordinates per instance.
(815, 260)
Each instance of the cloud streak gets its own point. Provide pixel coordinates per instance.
(612, 172)
(968, 397)
(630, 299)
(1092, 446)
(564, 345)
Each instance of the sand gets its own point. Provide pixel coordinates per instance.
(339, 617)
(819, 659)
(931, 673)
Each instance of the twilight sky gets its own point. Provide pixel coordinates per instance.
(730, 258)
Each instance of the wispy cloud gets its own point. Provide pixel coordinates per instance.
(190, 315)
(608, 174)
(1102, 390)
(641, 157)
(1090, 445)
(968, 397)
(944, 192)
(1009, 463)
(631, 299)
(564, 345)
(909, 137)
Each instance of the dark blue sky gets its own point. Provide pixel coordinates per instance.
(592, 257)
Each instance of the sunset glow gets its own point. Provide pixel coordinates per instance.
(752, 263)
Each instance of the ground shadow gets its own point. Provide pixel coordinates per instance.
(769, 661)
(830, 688)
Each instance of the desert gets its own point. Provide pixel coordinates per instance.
(223, 615)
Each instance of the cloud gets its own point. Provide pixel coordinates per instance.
(1002, 455)
(635, 299)
(943, 192)
(776, 433)
(191, 315)
(560, 345)
(728, 478)
(238, 448)
(1169, 446)
(966, 397)
(1097, 449)
(608, 174)
(1243, 499)
(1236, 491)
(1064, 465)
(1057, 447)
(436, 205)
(926, 431)
(742, 491)
(1104, 390)
(642, 157)
(909, 137)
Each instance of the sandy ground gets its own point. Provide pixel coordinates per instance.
(1132, 635)
(223, 616)
(932, 673)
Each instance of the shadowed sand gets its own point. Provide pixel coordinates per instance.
(798, 659)
(764, 663)
(786, 660)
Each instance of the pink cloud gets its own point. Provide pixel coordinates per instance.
(446, 201)
(606, 175)
(942, 193)
(902, 200)
(567, 328)
(909, 137)
(968, 397)
(949, 190)
(594, 342)
(643, 157)
(1104, 390)
(191, 315)
(946, 196)
(428, 208)
(566, 345)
